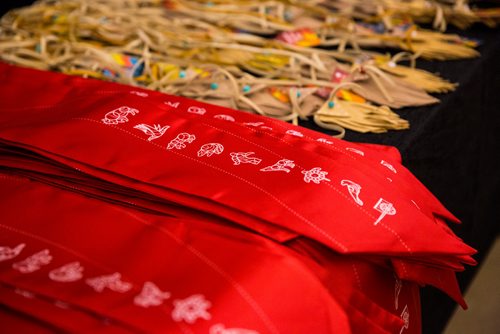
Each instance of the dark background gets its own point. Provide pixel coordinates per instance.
(454, 149)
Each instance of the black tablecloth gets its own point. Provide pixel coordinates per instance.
(454, 149)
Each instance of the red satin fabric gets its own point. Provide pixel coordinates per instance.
(260, 224)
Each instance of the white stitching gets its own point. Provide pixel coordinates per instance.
(284, 205)
(237, 286)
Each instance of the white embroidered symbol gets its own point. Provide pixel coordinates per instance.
(172, 104)
(355, 151)
(397, 291)
(113, 282)
(197, 110)
(24, 293)
(266, 128)
(220, 329)
(415, 204)
(191, 309)
(280, 166)
(150, 295)
(141, 94)
(155, 131)
(406, 318)
(389, 166)
(179, 141)
(315, 175)
(119, 115)
(225, 117)
(254, 124)
(7, 253)
(244, 158)
(210, 149)
(389, 179)
(70, 272)
(323, 140)
(385, 208)
(354, 190)
(34, 262)
(295, 133)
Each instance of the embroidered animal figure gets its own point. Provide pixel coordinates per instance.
(150, 295)
(70, 272)
(225, 117)
(210, 149)
(7, 253)
(244, 158)
(153, 131)
(315, 175)
(354, 190)
(280, 166)
(191, 309)
(119, 115)
(179, 141)
(33, 262)
(113, 282)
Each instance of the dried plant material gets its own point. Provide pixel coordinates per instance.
(250, 55)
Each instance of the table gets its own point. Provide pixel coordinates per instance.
(454, 149)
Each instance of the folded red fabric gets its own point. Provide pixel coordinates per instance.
(254, 219)
(153, 274)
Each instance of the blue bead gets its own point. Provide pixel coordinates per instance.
(299, 94)
(182, 74)
(246, 88)
(214, 86)
(331, 104)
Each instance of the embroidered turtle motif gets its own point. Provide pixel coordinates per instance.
(119, 115)
(210, 149)
(315, 175)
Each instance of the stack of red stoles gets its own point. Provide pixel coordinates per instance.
(125, 210)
